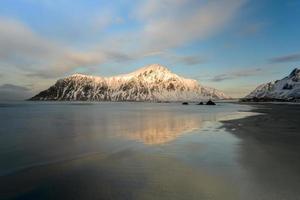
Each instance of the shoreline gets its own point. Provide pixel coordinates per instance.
(285, 116)
(269, 149)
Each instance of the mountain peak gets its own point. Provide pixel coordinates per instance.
(153, 72)
(295, 73)
(77, 75)
(154, 68)
(286, 89)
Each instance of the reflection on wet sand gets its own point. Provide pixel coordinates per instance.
(158, 127)
(152, 130)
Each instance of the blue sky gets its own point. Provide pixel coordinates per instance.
(232, 45)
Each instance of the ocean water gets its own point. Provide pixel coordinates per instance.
(83, 150)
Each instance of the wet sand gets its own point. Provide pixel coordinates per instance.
(150, 151)
(117, 151)
(269, 151)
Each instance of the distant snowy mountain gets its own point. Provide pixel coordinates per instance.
(286, 89)
(150, 83)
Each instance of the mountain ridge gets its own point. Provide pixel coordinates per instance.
(286, 89)
(151, 83)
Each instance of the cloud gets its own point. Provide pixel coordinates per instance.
(14, 92)
(286, 58)
(252, 28)
(154, 53)
(65, 63)
(170, 24)
(236, 74)
(23, 48)
(191, 60)
(8, 87)
(106, 18)
(18, 41)
(184, 59)
(177, 58)
(165, 25)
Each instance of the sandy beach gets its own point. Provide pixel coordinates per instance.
(270, 150)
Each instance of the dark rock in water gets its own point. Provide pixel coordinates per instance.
(210, 102)
(201, 103)
(185, 103)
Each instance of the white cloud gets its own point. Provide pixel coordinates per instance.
(17, 40)
(165, 25)
(169, 24)
(22, 48)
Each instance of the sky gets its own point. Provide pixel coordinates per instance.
(232, 45)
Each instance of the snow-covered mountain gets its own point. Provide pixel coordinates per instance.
(286, 89)
(151, 83)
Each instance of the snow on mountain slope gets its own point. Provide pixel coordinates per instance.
(150, 83)
(286, 89)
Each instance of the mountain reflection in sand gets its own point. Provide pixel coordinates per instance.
(154, 130)
(161, 127)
